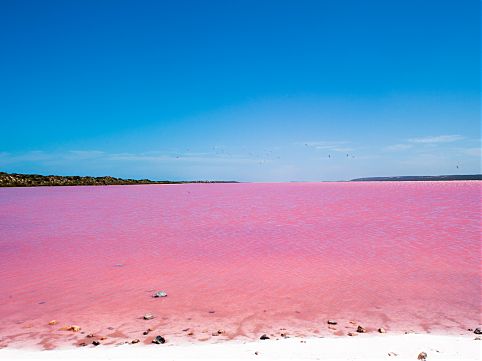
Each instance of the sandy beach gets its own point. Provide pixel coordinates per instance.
(362, 347)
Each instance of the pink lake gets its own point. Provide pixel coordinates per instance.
(246, 258)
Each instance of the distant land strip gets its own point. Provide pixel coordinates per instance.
(37, 180)
(422, 178)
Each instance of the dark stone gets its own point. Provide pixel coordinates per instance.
(478, 331)
(136, 341)
(332, 322)
(159, 340)
(361, 329)
(95, 343)
(264, 337)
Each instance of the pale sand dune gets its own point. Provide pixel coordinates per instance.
(362, 347)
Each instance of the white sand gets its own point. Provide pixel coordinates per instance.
(362, 347)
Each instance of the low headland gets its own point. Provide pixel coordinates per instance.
(37, 180)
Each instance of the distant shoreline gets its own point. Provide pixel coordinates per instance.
(456, 177)
(37, 180)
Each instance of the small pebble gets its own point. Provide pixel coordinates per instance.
(72, 328)
(53, 322)
(82, 344)
(95, 343)
(381, 330)
(332, 322)
(135, 341)
(148, 316)
(392, 354)
(160, 294)
(361, 329)
(90, 335)
(478, 331)
(352, 334)
(159, 340)
(422, 356)
(264, 337)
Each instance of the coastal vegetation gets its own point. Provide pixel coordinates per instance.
(36, 180)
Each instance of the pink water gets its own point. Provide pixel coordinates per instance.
(264, 257)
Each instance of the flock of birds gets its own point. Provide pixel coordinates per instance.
(262, 157)
(265, 156)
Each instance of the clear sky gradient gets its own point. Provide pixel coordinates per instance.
(245, 90)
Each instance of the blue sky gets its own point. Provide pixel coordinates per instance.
(247, 90)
